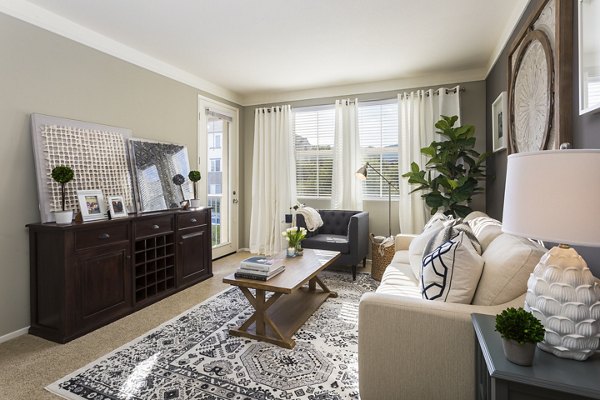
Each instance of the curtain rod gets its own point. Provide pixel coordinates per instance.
(436, 91)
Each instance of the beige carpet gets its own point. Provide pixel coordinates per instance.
(29, 363)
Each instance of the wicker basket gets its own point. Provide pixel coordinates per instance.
(380, 262)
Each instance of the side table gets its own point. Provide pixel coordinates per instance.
(549, 377)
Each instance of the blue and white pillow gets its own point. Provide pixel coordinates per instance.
(451, 272)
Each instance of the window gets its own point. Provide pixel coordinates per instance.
(313, 139)
(215, 165)
(378, 130)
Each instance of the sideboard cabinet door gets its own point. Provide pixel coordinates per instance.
(104, 285)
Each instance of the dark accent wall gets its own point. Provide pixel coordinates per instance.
(586, 129)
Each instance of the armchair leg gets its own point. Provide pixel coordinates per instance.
(365, 262)
(353, 272)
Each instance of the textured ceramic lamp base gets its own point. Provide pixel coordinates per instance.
(564, 295)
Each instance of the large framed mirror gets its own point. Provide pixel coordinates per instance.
(589, 56)
(154, 165)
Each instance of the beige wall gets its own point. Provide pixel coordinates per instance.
(41, 72)
(473, 112)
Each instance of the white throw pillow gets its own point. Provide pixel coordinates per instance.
(509, 260)
(451, 272)
(485, 229)
(417, 245)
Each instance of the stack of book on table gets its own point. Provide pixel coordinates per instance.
(260, 268)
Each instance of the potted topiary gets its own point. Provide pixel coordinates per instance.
(453, 173)
(63, 174)
(520, 332)
(195, 177)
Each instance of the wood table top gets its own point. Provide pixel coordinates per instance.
(298, 270)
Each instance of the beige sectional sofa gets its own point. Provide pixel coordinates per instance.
(411, 348)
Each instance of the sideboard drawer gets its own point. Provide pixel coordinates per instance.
(191, 219)
(99, 236)
(154, 226)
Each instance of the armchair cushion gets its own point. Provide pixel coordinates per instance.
(327, 242)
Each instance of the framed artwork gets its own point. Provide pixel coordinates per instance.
(540, 81)
(116, 207)
(97, 153)
(499, 122)
(91, 204)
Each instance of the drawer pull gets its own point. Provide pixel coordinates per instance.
(104, 236)
(193, 220)
(155, 227)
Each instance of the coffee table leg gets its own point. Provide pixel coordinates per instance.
(323, 286)
(260, 312)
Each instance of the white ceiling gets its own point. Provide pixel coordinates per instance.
(256, 51)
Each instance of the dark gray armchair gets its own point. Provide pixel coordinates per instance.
(343, 231)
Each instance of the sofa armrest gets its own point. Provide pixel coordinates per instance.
(414, 348)
(402, 241)
(358, 234)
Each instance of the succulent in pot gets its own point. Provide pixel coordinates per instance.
(520, 331)
(63, 174)
(195, 176)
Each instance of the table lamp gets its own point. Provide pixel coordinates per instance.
(553, 195)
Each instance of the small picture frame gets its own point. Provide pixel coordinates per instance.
(91, 204)
(116, 207)
(500, 122)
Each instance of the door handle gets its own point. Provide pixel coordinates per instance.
(235, 201)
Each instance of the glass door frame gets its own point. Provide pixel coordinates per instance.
(232, 169)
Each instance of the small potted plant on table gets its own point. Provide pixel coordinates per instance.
(520, 331)
(63, 174)
(294, 237)
(195, 177)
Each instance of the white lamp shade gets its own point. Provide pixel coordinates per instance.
(553, 196)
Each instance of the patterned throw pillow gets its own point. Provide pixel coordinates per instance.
(451, 272)
(451, 230)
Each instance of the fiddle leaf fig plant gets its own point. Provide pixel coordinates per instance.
(520, 326)
(452, 174)
(62, 174)
(195, 176)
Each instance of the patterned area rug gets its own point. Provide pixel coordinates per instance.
(193, 357)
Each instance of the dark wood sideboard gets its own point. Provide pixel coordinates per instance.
(86, 275)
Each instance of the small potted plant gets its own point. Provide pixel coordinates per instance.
(63, 174)
(520, 332)
(195, 176)
(294, 237)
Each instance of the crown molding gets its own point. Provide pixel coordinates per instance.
(511, 24)
(42, 18)
(370, 87)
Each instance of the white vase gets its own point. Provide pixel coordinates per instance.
(564, 295)
(195, 203)
(63, 217)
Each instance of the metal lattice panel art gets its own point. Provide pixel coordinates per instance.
(96, 153)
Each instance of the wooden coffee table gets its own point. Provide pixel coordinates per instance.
(277, 318)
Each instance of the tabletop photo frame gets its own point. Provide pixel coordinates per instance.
(91, 204)
(116, 207)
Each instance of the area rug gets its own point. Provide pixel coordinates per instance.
(192, 356)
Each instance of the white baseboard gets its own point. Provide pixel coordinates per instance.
(12, 335)
(243, 249)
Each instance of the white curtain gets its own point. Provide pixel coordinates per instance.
(346, 191)
(273, 178)
(417, 114)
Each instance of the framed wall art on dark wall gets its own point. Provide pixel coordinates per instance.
(540, 79)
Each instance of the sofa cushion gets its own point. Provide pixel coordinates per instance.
(398, 278)
(327, 242)
(451, 272)
(509, 260)
(417, 245)
(485, 229)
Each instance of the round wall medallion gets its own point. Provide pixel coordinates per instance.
(531, 94)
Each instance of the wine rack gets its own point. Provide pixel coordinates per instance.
(154, 266)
